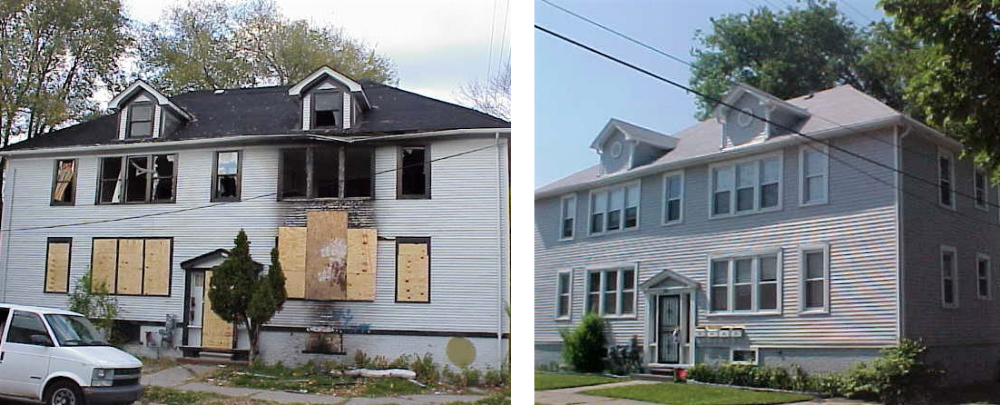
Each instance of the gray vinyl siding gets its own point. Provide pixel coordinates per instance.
(466, 221)
(969, 230)
(859, 223)
(733, 133)
(609, 162)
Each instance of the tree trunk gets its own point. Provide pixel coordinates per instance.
(252, 333)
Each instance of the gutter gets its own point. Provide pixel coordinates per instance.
(788, 140)
(900, 262)
(500, 255)
(8, 206)
(242, 139)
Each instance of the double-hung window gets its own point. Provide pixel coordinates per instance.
(673, 196)
(226, 178)
(745, 283)
(64, 182)
(614, 209)
(567, 216)
(946, 179)
(564, 289)
(746, 187)
(814, 174)
(949, 277)
(611, 291)
(982, 185)
(984, 277)
(814, 278)
(140, 119)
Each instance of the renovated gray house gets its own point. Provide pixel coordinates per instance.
(736, 240)
(389, 208)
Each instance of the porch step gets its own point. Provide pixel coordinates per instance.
(653, 377)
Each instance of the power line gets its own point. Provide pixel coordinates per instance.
(503, 37)
(493, 27)
(157, 214)
(776, 124)
(863, 15)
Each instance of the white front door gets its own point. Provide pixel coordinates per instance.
(196, 303)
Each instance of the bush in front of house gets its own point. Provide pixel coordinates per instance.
(583, 347)
(624, 360)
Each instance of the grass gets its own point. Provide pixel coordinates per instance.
(693, 394)
(552, 381)
(170, 396)
(151, 365)
(313, 380)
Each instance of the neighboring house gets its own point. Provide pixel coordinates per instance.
(390, 209)
(737, 241)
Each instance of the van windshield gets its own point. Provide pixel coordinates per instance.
(74, 330)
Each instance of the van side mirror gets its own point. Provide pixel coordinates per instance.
(41, 340)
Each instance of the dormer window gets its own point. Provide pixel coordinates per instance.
(140, 120)
(327, 109)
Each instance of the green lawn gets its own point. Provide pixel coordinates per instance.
(552, 381)
(693, 394)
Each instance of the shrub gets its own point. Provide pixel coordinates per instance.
(471, 376)
(496, 378)
(451, 377)
(897, 376)
(425, 368)
(94, 301)
(403, 361)
(583, 347)
(361, 359)
(624, 360)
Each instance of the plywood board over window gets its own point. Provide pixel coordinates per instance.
(361, 264)
(133, 266)
(104, 263)
(413, 270)
(57, 265)
(292, 256)
(156, 267)
(130, 252)
(326, 255)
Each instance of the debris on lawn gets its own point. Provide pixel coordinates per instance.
(417, 383)
(367, 373)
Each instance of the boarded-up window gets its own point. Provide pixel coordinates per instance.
(292, 256)
(413, 270)
(362, 245)
(326, 255)
(361, 263)
(132, 266)
(57, 265)
(64, 183)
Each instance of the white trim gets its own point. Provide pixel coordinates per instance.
(976, 171)
(733, 164)
(619, 289)
(115, 103)
(980, 257)
(569, 309)
(824, 151)
(625, 205)
(663, 205)
(756, 355)
(754, 256)
(324, 70)
(813, 248)
(942, 153)
(562, 216)
(954, 275)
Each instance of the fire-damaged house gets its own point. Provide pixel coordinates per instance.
(389, 210)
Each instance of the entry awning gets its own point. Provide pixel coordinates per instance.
(668, 280)
(211, 259)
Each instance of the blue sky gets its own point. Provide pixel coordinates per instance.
(577, 92)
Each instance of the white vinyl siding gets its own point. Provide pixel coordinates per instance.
(564, 294)
(949, 277)
(946, 179)
(981, 183)
(814, 279)
(814, 168)
(745, 283)
(611, 291)
(745, 187)
(567, 223)
(614, 209)
(673, 198)
(984, 277)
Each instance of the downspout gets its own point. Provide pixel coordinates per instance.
(9, 208)
(901, 288)
(500, 260)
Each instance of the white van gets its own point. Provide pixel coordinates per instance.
(59, 357)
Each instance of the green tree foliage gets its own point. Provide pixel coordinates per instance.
(214, 44)
(956, 86)
(240, 295)
(95, 302)
(583, 347)
(800, 50)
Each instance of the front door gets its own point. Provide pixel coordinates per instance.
(196, 304)
(216, 333)
(669, 331)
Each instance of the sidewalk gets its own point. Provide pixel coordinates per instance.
(180, 378)
(567, 396)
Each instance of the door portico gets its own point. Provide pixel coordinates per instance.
(671, 314)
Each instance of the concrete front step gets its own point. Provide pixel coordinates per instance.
(653, 377)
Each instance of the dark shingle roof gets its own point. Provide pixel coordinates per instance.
(270, 110)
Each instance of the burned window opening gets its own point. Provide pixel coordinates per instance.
(163, 177)
(327, 109)
(138, 179)
(414, 172)
(64, 183)
(326, 172)
(111, 182)
(227, 176)
(294, 182)
(358, 164)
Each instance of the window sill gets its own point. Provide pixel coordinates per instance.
(614, 232)
(55, 204)
(562, 319)
(983, 208)
(815, 312)
(674, 222)
(413, 197)
(745, 213)
(948, 207)
(813, 203)
(620, 317)
(955, 306)
(739, 314)
(138, 203)
(569, 239)
(304, 199)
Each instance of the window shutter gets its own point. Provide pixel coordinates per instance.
(362, 249)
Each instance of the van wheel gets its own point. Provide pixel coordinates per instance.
(63, 393)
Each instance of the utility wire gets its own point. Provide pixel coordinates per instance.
(827, 143)
(863, 15)
(493, 27)
(157, 214)
(503, 37)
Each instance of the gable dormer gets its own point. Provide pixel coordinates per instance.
(623, 146)
(330, 100)
(144, 112)
(742, 126)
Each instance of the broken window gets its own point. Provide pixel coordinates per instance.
(227, 176)
(327, 111)
(414, 172)
(111, 182)
(163, 177)
(136, 179)
(358, 172)
(326, 172)
(64, 184)
(140, 120)
(293, 173)
(141, 179)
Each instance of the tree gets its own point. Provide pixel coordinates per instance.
(956, 86)
(213, 44)
(797, 51)
(491, 96)
(94, 301)
(240, 295)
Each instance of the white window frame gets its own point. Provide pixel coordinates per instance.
(954, 275)
(825, 151)
(755, 256)
(981, 257)
(951, 172)
(607, 207)
(780, 155)
(756, 355)
(813, 248)
(563, 217)
(663, 213)
(569, 309)
(985, 190)
(619, 289)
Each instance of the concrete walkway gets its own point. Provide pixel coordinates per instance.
(181, 378)
(567, 396)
